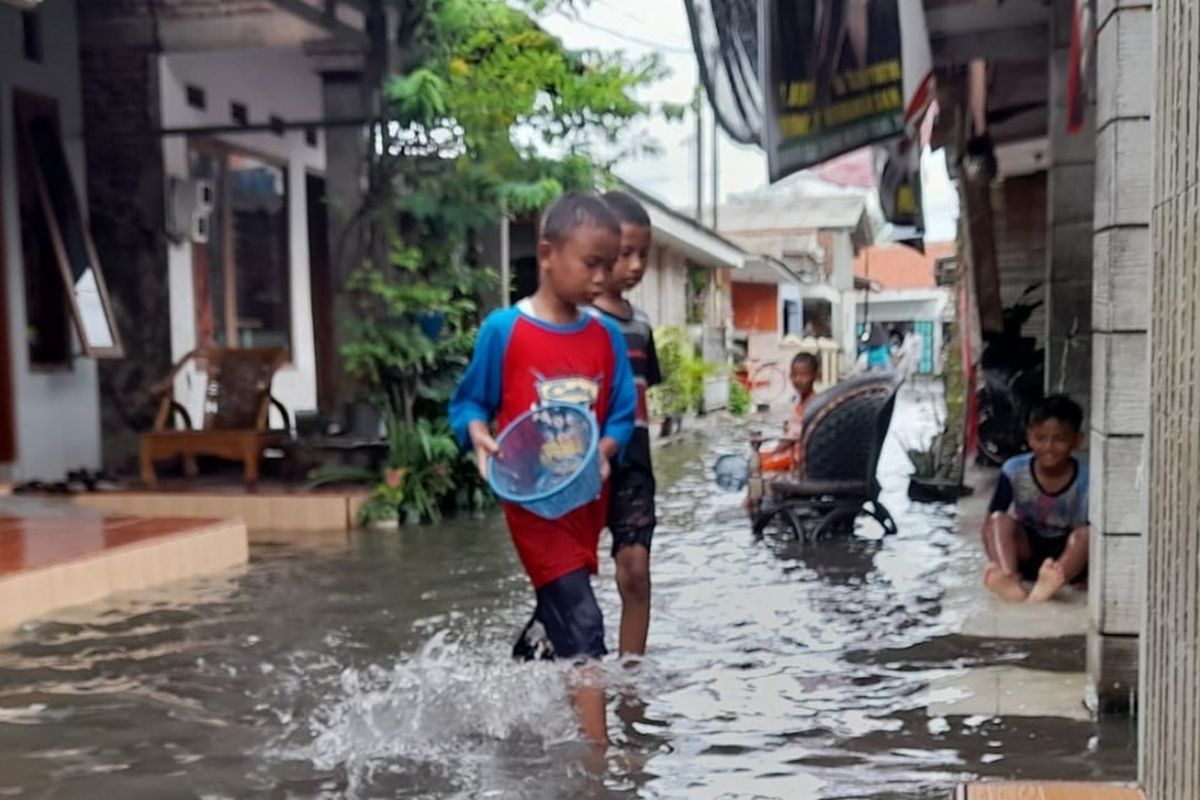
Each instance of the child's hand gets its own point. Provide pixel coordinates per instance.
(485, 446)
(608, 451)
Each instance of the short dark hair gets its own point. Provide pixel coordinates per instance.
(575, 209)
(1059, 407)
(627, 208)
(810, 359)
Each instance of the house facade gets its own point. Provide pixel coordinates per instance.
(808, 237)
(49, 388)
(215, 202)
(902, 294)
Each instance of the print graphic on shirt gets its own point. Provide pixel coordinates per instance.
(574, 390)
(564, 442)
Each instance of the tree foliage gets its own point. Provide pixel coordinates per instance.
(492, 116)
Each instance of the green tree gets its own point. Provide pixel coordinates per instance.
(493, 116)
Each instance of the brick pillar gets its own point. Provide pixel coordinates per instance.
(125, 206)
(1120, 380)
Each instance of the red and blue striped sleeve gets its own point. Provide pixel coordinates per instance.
(622, 399)
(477, 395)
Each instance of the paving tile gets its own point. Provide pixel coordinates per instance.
(1009, 692)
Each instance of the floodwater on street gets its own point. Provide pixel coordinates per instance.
(378, 666)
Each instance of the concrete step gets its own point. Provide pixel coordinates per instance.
(1046, 790)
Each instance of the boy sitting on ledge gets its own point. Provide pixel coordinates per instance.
(1037, 526)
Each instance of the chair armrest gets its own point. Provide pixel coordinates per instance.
(283, 413)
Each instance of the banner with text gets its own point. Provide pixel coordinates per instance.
(840, 74)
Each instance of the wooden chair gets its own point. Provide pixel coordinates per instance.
(237, 406)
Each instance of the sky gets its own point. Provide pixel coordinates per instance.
(640, 27)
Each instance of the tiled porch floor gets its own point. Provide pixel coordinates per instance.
(53, 558)
(268, 509)
(35, 543)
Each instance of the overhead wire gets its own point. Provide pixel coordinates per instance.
(670, 48)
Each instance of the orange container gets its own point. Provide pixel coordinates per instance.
(776, 461)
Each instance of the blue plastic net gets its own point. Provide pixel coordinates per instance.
(547, 459)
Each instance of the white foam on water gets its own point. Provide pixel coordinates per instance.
(436, 707)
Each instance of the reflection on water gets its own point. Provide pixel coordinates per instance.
(378, 668)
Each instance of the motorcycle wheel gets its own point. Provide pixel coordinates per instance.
(998, 440)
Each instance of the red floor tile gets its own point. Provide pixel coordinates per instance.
(32, 543)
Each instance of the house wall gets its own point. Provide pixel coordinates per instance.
(662, 294)
(56, 414)
(755, 307)
(270, 82)
(1151, 70)
(1019, 223)
(790, 291)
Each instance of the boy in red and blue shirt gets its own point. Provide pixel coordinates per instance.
(546, 349)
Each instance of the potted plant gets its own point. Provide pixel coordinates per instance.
(939, 465)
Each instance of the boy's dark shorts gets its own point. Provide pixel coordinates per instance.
(631, 508)
(567, 622)
(1042, 547)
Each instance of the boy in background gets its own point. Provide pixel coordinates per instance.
(1037, 529)
(631, 515)
(542, 349)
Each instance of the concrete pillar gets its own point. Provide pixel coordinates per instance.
(1070, 197)
(1170, 719)
(1120, 379)
(345, 97)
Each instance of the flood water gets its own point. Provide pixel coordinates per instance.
(378, 667)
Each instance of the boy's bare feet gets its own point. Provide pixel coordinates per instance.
(1006, 587)
(1051, 578)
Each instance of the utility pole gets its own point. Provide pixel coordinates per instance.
(716, 174)
(698, 106)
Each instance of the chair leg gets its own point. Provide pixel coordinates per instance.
(884, 517)
(149, 476)
(838, 515)
(251, 457)
(190, 466)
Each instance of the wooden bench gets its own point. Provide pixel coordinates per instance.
(237, 406)
(1047, 790)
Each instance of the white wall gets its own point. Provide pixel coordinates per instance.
(57, 413)
(270, 83)
(662, 294)
(790, 291)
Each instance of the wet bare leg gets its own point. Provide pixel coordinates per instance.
(1004, 542)
(1056, 573)
(587, 695)
(633, 582)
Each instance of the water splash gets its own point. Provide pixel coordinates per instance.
(437, 707)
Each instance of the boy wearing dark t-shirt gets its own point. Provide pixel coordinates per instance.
(631, 517)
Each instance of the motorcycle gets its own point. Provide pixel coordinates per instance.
(1012, 375)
